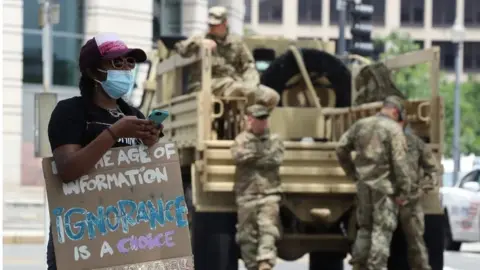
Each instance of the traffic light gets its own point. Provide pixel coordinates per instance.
(361, 30)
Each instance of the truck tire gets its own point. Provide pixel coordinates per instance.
(284, 67)
(326, 260)
(213, 237)
(212, 234)
(449, 243)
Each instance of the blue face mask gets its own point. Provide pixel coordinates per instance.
(118, 83)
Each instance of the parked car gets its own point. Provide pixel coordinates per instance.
(461, 203)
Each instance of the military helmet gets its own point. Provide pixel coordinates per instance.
(397, 103)
(217, 15)
(258, 111)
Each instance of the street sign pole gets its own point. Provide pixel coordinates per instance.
(342, 15)
(45, 102)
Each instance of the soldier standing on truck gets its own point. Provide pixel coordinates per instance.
(258, 156)
(380, 171)
(233, 66)
(422, 168)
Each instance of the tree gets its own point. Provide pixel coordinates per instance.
(414, 83)
(470, 122)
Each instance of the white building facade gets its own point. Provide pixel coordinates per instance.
(138, 23)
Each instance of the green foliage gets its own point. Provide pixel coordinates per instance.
(470, 121)
(414, 83)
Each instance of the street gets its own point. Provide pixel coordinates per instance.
(31, 257)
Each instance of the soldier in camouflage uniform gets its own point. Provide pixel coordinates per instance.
(422, 167)
(233, 66)
(380, 171)
(258, 156)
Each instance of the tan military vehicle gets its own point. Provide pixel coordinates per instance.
(317, 106)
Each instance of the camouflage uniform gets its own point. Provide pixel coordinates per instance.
(381, 173)
(422, 167)
(374, 83)
(233, 66)
(258, 193)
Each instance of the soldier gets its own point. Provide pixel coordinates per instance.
(233, 66)
(422, 168)
(257, 155)
(381, 174)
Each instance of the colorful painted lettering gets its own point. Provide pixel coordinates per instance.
(134, 243)
(125, 214)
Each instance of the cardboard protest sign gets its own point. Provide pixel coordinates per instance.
(129, 212)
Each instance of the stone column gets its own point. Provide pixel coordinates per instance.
(131, 20)
(290, 18)
(194, 17)
(12, 55)
(392, 15)
(427, 22)
(236, 14)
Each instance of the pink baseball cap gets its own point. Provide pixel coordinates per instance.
(106, 46)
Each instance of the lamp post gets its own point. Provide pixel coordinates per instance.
(342, 12)
(458, 37)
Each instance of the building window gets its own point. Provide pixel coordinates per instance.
(471, 57)
(167, 17)
(447, 54)
(248, 11)
(444, 12)
(378, 17)
(67, 40)
(309, 11)
(420, 44)
(411, 12)
(270, 11)
(472, 13)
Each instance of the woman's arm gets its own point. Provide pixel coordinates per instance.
(74, 161)
(65, 132)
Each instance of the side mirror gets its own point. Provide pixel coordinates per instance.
(472, 186)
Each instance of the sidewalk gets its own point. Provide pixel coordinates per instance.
(23, 237)
(23, 214)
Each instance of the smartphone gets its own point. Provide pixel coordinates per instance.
(158, 116)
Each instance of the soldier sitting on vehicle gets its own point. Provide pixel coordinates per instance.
(233, 66)
(258, 156)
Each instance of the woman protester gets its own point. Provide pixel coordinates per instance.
(82, 129)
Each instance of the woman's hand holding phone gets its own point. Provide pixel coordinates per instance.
(132, 127)
(153, 136)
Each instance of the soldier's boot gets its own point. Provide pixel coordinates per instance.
(264, 266)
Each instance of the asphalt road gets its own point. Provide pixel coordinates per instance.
(31, 257)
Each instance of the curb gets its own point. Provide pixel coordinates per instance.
(22, 238)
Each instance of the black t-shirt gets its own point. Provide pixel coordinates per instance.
(79, 121)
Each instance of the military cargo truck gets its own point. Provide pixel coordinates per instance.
(318, 97)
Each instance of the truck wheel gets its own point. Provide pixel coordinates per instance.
(213, 237)
(326, 260)
(285, 67)
(449, 243)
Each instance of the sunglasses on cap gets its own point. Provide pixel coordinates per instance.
(121, 62)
